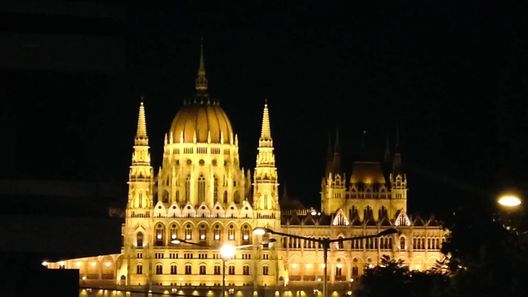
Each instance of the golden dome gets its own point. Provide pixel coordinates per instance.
(202, 119)
(367, 172)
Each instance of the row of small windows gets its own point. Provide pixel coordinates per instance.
(366, 243)
(368, 213)
(201, 186)
(173, 269)
(203, 232)
(191, 256)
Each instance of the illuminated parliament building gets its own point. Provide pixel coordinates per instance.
(200, 198)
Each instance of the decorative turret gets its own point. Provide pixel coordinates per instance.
(201, 80)
(398, 179)
(141, 173)
(265, 191)
(334, 182)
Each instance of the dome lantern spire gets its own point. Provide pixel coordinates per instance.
(141, 133)
(201, 80)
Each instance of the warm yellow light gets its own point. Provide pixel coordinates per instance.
(108, 264)
(339, 265)
(45, 263)
(61, 263)
(259, 231)
(93, 264)
(227, 251)
(294, 265)
(78, 264)
(509, 200)
(84, 277)
(309, 266)
(158, 236)
(202, 236)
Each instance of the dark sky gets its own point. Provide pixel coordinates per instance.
(450, 75)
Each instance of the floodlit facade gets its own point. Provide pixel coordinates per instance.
(200, 198)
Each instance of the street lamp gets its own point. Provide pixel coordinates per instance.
(227, 251)
(325, 243)
(510, 201)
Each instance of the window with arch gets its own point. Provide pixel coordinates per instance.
(139, 240)
(340, 244)
(265, 206)
(245, 270)
(159, 269)
(188, 269)
(187, 188)
(237, 197)
(231, 232)
(177, 196)
(231, 269)
(174, 269)
(355, 271)
(245, 234)
(202, 269)
(339, 269)
(382, 213)
(201, 189)
(160, 235)
(402, 243)
(139, 269)
(188, 232)
(353, 212)
(140, 199)
(225, 197)
(165, 197)
(174, 232)
(367, 213)
(203, 232)
(217, 233)
(215, 189)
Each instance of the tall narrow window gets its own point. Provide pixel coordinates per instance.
(232, 269)
(188, 269)
(203, 232)
(225, 197)
(159, 269)
(217, 233)
(217, 270)
(202, 269)
(265, 270)
(265, 206)
(139, 239)
(402, 243)
(188, 188)
(174, 269)
(201, 189)
(188, 232)
(140, 200)
(245, 270)
(160, 235)
(245, 234)
(174, 232)
(231, 233)
(215, 189)
(139, 269)
(177, 196)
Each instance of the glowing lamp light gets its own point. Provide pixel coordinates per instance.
(158, 236)
(246, 236)
(339, 265)
(188, 236)
(227, 251)
(308, 266)
(217, 236)
(45, 263)
(84, 277)
(202, 236)
(294, 265)
(107, 264)
(259, 231)
(93, 264)
(509, 200)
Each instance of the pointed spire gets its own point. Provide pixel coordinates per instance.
(265, 134)
(336, 162)
(386, 156)
(397, 160)
(201, 80)
(329, 157)
(363, 149)
(141, 133)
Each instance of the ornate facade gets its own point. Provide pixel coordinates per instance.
(200, 198)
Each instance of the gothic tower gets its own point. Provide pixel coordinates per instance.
(265, 185)
(137, 230)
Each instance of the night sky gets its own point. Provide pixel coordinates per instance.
(449, 75)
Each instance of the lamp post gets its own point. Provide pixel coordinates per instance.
(325, 243)
(227, 251)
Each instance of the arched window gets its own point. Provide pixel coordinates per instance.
(215, 189)
(160, 235)
(177, 196)
(353, 212)
(402, 243)
(165, 197)
(174, 232)
(355, 271)
(201, 189)
(237, 197)
(188, 232)
(188, 188)
(217, 232)
(382, 213)
(231, 233)
(139, 239)
(367, 213)
(265, 206)
(340, 244)
(245, 234)
(140, 200)
(203, 232)
(225, 197)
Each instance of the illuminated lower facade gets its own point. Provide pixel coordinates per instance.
(201, 198)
